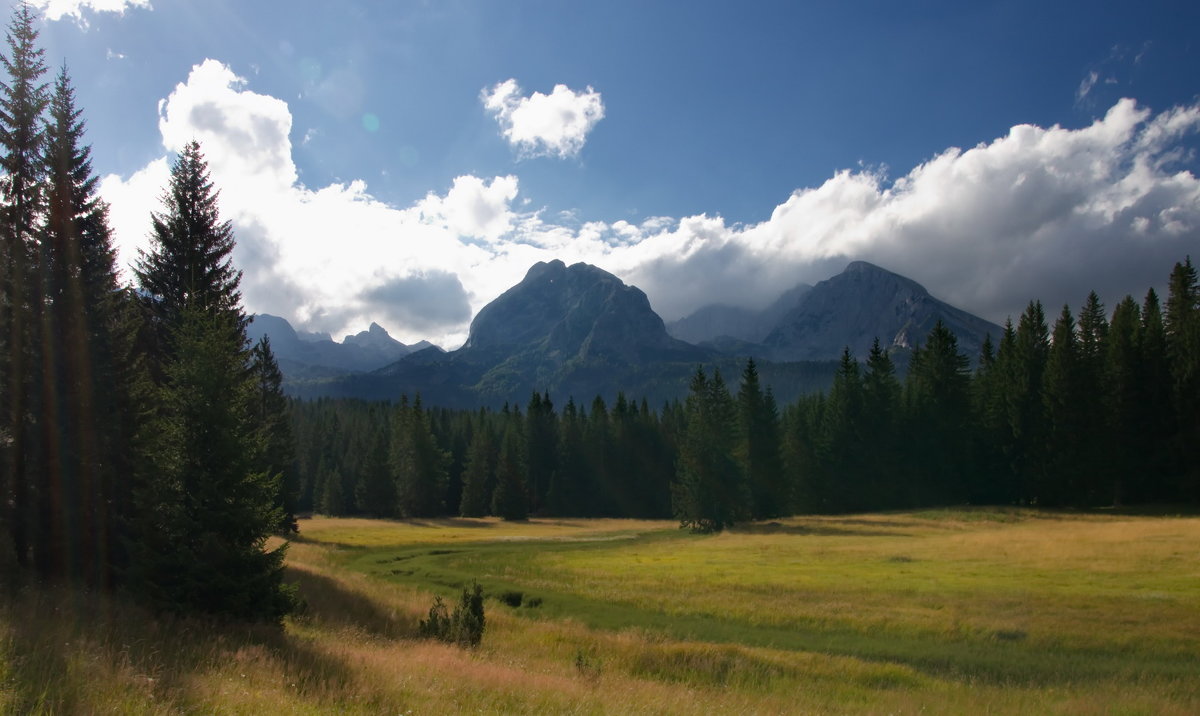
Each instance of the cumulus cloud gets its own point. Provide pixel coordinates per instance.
(58, 9)
(555, 124)
(1040, 212)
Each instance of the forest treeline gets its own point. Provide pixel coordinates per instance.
(143, 441)
(1092, 411)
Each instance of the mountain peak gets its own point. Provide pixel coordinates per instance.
(575, 311)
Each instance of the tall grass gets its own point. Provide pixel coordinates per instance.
(943, 612)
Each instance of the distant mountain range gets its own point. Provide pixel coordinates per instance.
(580, 331)
(315, 355)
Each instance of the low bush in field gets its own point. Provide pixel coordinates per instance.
(464, 626)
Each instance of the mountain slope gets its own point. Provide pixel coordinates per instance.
(862, 303)
(718, 321)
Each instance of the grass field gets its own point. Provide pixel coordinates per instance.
(949, 611)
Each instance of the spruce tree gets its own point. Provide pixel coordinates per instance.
(479, 473)
(939, 403)
(1063, 399)
(418, 463)
(510, 501)
(1125, 396)
(85, 404)
(204, 517)
(277, 449)
(1182, 325)
(843, 439)
(759, 448)
(23, 98)
(710, 491)
(880, 412)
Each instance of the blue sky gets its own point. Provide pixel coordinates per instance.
(406, 162)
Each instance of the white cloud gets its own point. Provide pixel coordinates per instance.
(556, 124)
(1049, 213)
(58, 9)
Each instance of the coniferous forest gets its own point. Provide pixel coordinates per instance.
(1099, 411)
(146, 445)
(142, 439)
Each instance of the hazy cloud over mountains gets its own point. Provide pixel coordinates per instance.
(1039, 212)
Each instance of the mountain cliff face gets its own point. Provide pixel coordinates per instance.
(576, 312)
(862, 303)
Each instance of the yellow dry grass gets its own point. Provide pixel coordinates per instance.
(1103, 610)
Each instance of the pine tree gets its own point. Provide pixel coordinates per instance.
(710, 492)
(843, 439)
(1023, 396)
(1096, 434)
(479, 473)
(205, 519)
(541, 447)
(418, 463)
(760, 448)
(277, 448)
(1157, 419)
(939, 401)
(23, 98)
(880, 413)
(86, 451)
(1063, 398)
(1125, 396)
(190, 264)
(1182, 325)
(510, 501)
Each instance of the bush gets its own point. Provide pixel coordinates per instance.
(512, 599)
(464, 627)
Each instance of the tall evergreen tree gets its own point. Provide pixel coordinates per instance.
(190, 263)
(1096, 434)
(418, 462)
(710, 492)
(541, 447)
(1023, 396)
(939, 403)
(1063, 393)
(1125, 396)
(23, 98)
(1182, 324)
(759, 447)
(511, 498)
(205, 518)
(843, 439)
(479, 474)
(207, 511)
(880, 415)
(277, 449)
(86, 450)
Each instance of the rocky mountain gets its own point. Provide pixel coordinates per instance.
(862, 303)
(571, 330)
(316, 355)
(719, 322)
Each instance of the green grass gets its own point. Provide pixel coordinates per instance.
(945, 611)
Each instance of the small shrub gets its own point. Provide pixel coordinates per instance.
(512, 599)
(464, 627)
(533, 602)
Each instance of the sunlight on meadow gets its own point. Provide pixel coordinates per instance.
(941, 612)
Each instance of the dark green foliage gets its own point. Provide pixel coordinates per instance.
(939, 420)
(510, 501)
(760, 449)
(418, 463)
(276, 454)
(541, 448)
(1182, 326)
(464, 627)
(710, 492)
(203, 521)
(478, 475)
(1064, 401)
(23, 97)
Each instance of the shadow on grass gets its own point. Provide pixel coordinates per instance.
(331, 604)
(65, 650)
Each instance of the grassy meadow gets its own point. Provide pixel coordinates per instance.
(947, 611)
